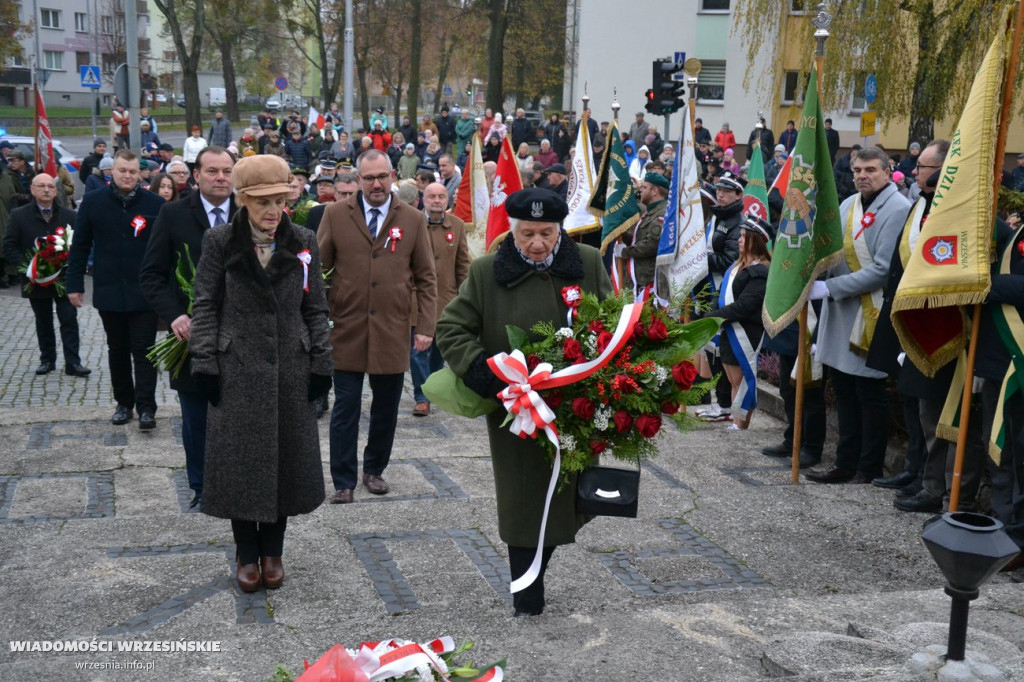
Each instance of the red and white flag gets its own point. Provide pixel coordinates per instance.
(506, 181)
(316, 118)
(782, 179)
(44, 141)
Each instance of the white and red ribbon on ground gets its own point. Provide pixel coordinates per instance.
(388, 659)
(306, 258)
(532, 415)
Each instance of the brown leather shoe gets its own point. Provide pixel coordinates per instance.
(421, 410)
(247, 576)
(342, 496)
(375, 484)
(273, 571)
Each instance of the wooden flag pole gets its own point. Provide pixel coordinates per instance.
(972, 352)
(821, 34)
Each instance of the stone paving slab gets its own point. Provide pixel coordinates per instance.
(728, 573)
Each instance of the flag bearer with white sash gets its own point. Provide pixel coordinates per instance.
(1000, 362)
(871, 220)
(739, 304)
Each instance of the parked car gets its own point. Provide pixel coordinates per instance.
(180, 101)
(273, 105)
(252, 99)
(536, 120)
(28, 145)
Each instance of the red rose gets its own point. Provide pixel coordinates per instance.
(583, 408)
(669, 407)
(597, 447)
(532, 360)
(648, 425)
(596, 326)
(603, 339)
(623, 421)
(639, 330)
(657, 331)
(572, 351)
(684, 375)
(553, 399)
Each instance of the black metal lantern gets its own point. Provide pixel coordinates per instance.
(969, 549)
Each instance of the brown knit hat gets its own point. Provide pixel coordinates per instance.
(261, 176)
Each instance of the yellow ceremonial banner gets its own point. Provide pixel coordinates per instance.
(949, 264)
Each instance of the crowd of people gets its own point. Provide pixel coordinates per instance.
(262, 218)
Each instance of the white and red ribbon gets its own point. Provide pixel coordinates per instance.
(32, 273)
(306, 258)
(139, 224)
(388, 659)
(531, 415)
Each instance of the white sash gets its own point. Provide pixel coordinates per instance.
(746, 355)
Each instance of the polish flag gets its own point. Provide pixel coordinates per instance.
(782, 179)
(506, 181)
(316, 119)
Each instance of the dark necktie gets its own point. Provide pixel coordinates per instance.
(218, 216)
(46, 214)
(374, 222)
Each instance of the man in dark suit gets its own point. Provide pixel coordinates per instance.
(345, 185)
(377, 246)
(117, 220)
(182, 224)
(41, 218)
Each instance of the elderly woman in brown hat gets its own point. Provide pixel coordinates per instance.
(261, 355)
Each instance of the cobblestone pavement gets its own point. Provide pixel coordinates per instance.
(728, 573)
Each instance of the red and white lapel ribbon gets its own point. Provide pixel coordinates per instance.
(306, 257)
(532, 415)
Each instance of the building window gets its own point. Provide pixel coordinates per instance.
(107, 25)
(81, 59)
(801, 6)
(711, 82)
(794, 87)
(109, 64)
(53, 60)
(857, 103)
(81, 22)
(49, 18)
(714, 5)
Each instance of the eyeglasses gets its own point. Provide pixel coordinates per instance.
(928, 165)
(370, 179)
(178, 172)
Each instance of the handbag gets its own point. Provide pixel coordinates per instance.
(608, 491)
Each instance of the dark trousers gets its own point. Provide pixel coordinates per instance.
(530, 600)
(937, 471)
(813, 437)
(1008, 475)
(917, 446)
(348, 399)
(862, 408)
(67, 317)
(423, 363)
(254, 540)
(193, 437)
(129, 336)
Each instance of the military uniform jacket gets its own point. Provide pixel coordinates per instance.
(845, 286)
(502, 289)
(371, 288)
(644, 248)
(120, 234)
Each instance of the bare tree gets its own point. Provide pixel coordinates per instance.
(187, 16)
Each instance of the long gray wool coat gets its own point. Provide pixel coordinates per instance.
(263, 335)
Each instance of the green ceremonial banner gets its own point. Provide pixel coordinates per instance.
(614, 197)
(755, 195)
(810, 235)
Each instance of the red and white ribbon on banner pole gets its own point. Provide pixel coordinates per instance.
(532, 415)
(306, 259)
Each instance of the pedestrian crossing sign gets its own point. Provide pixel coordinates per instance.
(90, 76)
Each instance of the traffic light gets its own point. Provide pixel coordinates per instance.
(650, 105)
(669, 95)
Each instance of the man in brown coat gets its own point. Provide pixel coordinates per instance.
(379, 249)
(451, 262)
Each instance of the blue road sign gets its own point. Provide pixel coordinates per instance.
(447, 91)
(281, 83)
(677, 59)
(870, 89)
(90, 76)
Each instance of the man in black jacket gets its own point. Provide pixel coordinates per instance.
(41, 218)
(445, 128)
(118, 220)
(180, 225)
(99, 148)
(521, 130)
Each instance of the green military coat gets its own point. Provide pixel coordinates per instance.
(502, 289)
(644, 247)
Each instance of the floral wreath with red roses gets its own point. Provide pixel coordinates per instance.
(619, 409)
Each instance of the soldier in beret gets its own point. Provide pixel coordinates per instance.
(641, 247)
(521, 284)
